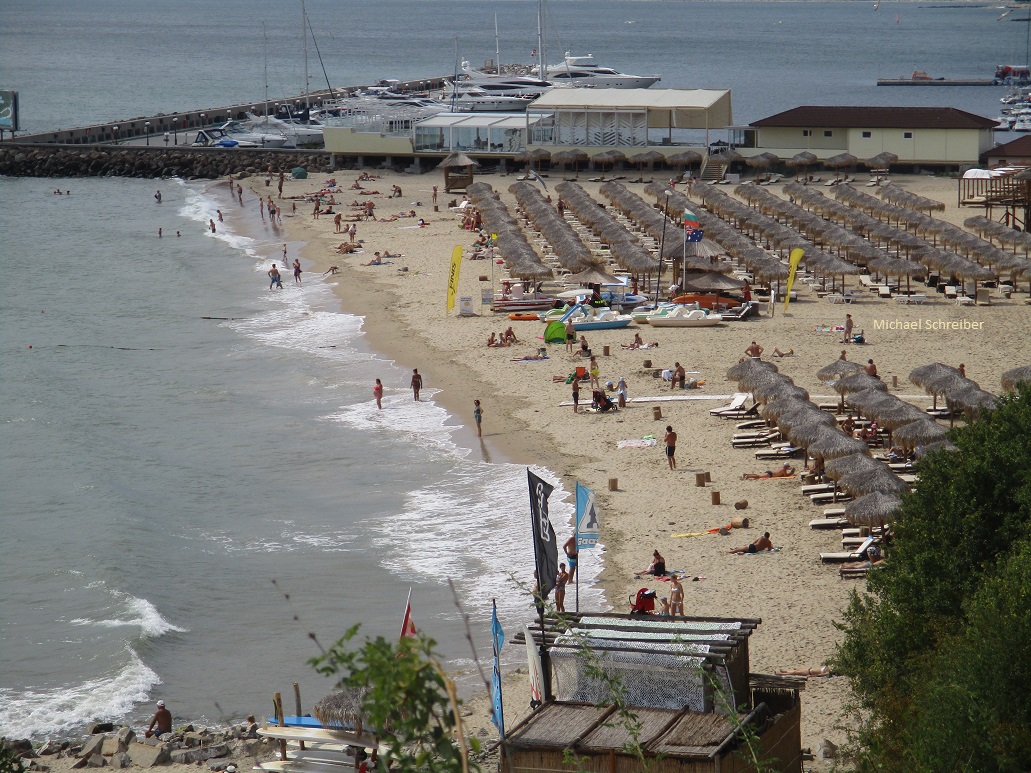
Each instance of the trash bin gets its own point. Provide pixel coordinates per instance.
(465, 307)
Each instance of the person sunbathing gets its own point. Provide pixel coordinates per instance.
(781, 472)
(348, 248)
(377, 260)
(778, 353)
(369, 193)
(761, 544)
(657, 568)
(355, 186)
(637, 343)
(806, 672)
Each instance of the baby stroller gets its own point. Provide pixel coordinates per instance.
(644, 603)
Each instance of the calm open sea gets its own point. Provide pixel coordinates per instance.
(158, 468)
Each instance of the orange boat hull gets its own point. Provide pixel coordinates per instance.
(707, 300)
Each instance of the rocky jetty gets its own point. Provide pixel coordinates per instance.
(107, 746)
(151, 162)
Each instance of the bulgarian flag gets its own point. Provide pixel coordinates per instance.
(690, 220)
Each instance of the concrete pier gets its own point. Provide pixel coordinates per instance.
(174, 129)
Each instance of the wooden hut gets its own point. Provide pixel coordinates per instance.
(670, 740)
(458, 172)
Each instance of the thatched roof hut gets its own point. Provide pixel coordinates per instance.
(343, 708)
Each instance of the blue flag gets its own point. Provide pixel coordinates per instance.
(497, 715)
(696, 235)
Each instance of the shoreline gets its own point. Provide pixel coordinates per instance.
(797, 597)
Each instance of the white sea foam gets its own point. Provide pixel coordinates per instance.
(140, 613)
(201, 207)
(28, 712)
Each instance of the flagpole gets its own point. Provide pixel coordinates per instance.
(538, 602)
(576, 541)
(408, 615)
(497, 665)
(662, 246)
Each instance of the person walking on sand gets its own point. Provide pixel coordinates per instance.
(416, 383)
(337, 220)
(576, 393)
(275, 280)
(671, 446)
(478, 417)
(162, 721)
(377, 392)
(297, 269)
(847, 337)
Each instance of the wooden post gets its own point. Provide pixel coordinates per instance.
(646, 364)
(657, 413)
(894, 382)
(613, 484)
(297, 699)
(605, 350)
(708, 477)
(277, 701)
(699, 479)
(715, 497)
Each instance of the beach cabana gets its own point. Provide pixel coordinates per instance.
(458, 172)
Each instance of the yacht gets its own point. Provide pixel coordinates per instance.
(265, 138)
(503, 85)
(462, 97)
(581, 71)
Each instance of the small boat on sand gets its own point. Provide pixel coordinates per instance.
(684, 317)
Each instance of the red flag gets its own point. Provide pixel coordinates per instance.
(407, 626)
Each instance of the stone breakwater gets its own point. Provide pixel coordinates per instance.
(187, 163)
(106, 745)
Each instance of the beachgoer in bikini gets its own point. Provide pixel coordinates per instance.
(416, 383)
(478, 417)
(560, 588)
(763, 543)
(871, 369)
(493, 340)
(377, 392)
(849, 324)
(595, 371)
(778, 353)
(676, 596)
(657, 568)
(806, 672)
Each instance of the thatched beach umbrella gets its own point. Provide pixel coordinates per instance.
(592, 275)
(926, 374)
(838, 370)
(930, 448)
(835, 469)
(832, 443)
(747, 367)
(805, 158)
(840, 161)
(860, 483)
(873, 509)
(684, 159)
(572, 158)
(805, 430)
(858, 382)
(919, 433)
(759, 378)
(881, 161)
(775, 409)
(711, 282)
(344, 708)
(778, 389)
(1011, 378)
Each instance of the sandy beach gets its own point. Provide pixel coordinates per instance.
(797, 597)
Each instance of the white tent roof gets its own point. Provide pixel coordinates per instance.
(477, 120)
(681, 108)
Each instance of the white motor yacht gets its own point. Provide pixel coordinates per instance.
(462, 98)
(503, 85)
(264, 138)
(582, 71)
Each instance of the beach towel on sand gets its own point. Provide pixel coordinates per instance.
(637, 443)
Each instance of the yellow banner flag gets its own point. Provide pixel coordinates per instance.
(793, 260)
(452, 279)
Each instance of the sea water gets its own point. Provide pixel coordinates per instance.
(184, 449)
(177, 437)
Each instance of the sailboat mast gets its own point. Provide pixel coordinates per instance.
(540, 38)
(264, 34)
(304, 38)
(497, 47)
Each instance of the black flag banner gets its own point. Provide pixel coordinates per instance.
(545, 546)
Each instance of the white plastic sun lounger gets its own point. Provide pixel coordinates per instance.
(858, 555)
(736, 404)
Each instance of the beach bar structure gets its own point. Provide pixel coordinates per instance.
(919, 136)
(687, 681)
(625, 118)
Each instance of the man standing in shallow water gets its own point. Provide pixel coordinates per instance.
(416, 383)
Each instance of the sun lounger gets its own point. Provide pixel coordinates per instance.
(883, 291)
(964, 300)
(829, 497)
(751, 424)
(736, 404)
(828, 523)
(854, 572)
(950, 292)
(834, 512)
(784, 452)
(817, 488)
(761, 440)
(858, 555)
(737, 313)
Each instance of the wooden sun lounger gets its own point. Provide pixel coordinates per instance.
(784, 452)
(736, 404)
(854, 572)
(817, 488)
(764, 440)
(752, 424)
(834, 512)
(744, 413)
(830, 496)
(828, 523)
(858, 555)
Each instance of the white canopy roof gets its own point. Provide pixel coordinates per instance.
(676, 108)
(478, 120)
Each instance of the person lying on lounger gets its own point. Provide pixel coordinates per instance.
(806, 672)
(761, 544)
(786, 471)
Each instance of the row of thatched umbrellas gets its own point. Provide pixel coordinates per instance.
(845, 459)
(763, 266)
(520, 258)
(996, 231)
(625, 248)
(903, 198)
(571, 253)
